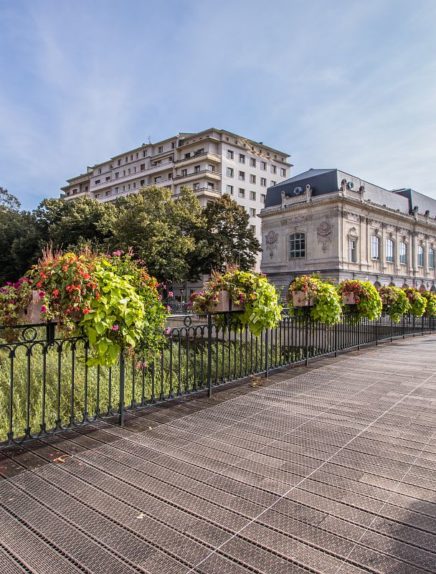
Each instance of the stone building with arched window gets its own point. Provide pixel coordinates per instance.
(329, 222)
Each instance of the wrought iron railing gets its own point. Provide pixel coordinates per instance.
(47, 386)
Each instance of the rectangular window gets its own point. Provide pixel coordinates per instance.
(252, 212)
(431, 258)
(241, 158)
(230, 154)
(97, 181)
(253, 195)
(241, 192)
(273, 182)
(108, 178)
(241, 175)
(389, 251)
(262, 197)
(229, 189)
(273, 169)
(253, 228)
(420, 256)
(157, 179)
(184, 172)
(403, 253)
(375, 247)
(197, 169)
(252, 161)
(263, 181)
(142, 181)
(263, 165)
(142, 166)
(210, 186)
(297, 246)
(252, 178)
(230, 172)
(160, 149)
(196, 186)
(283, 172)
(352, 250)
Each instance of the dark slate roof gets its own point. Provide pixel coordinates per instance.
(324, 181)
(420, 201)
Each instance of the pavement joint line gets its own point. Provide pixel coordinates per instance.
(281, 497)
(392, 492)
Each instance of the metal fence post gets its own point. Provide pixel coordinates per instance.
(307, 339)
(209, 355)
(122, 387)
(266, 352)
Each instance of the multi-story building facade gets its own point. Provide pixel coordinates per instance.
(335, 224)
(212, 162)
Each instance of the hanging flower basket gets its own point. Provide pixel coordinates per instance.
(302, 299)
(225, 304)
(349, 299)
(244, 291)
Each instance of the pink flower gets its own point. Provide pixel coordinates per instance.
(43, 309)
(167, 331)
(41, 294)
(170, 294)
(115, 327)
(117, 253)
(168, 309)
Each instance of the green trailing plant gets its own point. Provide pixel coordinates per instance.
(368, 303)
(430, 309)
(325, 302)
(395, 302)
(417, 301)
(251, 291)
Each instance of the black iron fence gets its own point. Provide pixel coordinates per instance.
(47, 386)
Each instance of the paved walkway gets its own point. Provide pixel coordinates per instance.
(330, 469)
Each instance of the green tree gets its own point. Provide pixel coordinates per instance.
(67, 224)
(9, 201)
(226, 238)
(159, 229)
(19, 238)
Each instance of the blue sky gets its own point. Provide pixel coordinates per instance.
(335, 83)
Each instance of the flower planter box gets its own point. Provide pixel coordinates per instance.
(225, 304)
(349, 299)
(32, 314)
(300, 299)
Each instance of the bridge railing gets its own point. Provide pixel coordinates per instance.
(47, 386)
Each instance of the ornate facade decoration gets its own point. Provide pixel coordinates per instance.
(324, 233)
(271, 240)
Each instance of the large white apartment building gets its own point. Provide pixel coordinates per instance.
(212, 162)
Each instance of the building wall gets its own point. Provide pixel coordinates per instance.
(329, 223)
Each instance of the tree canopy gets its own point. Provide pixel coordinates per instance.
(176, 238)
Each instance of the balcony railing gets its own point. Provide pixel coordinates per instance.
(46, 385)
(199, 172)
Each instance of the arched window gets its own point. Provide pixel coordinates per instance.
(431, 258)
(420, 256)
(389, 251)
(375, 247)
(297, 246)
(352, 250)
(403, 253)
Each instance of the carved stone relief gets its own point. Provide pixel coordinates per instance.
(271, 241)
(324, 233)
